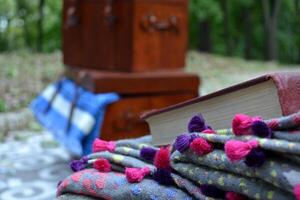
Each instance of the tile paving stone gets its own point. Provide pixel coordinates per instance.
(31, 167)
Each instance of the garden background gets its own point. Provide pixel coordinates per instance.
(229, 41)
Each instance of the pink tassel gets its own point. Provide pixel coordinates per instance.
(297, 192)
(101, 145)
(136, 175)
(241, 124)
(162, 158)
(237, 150)
(201, 147)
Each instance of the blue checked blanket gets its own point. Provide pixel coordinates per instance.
(53, 114)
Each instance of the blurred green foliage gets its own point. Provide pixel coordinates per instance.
(235, 27)
(18, 25)
(238, 31)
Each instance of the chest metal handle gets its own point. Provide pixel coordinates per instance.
(151, 23)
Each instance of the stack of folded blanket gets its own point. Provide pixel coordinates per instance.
(255, 159)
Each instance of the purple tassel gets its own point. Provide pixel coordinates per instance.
(197, 124)
(212, 191)
(182, 142)
(148, 153)
(255, 158)
(77, 165)
(163, 176)
(261, 129)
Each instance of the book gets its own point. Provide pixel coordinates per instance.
(268, 96)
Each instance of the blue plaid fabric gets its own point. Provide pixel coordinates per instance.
(87, 115)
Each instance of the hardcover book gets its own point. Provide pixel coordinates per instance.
(268, 96)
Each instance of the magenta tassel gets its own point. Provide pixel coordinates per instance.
(136, 175)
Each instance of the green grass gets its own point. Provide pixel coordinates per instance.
(2, 105)
(218, 72)
(24, 74)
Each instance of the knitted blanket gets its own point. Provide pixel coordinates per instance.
(127, 154)
(256, 159)
(113, 185)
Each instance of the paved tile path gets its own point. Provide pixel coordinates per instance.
(31, 166)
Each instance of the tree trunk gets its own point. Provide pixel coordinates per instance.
(8, 33)
(226, 27)
(40, 38)
(22, 13)
(205, 42)
(26, 32)
(247, 33)
(270, 10)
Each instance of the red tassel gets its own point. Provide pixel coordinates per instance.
(237, 150)
(102, 165)
(201, 147)
(101, 145)
(136, 175)
(273, 124)
(162, 158)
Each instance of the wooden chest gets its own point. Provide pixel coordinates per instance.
(139, 92)
(125, 35)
